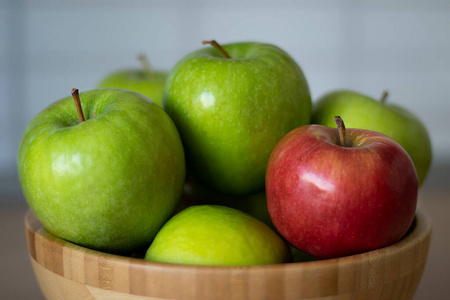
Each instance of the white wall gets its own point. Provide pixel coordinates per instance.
(49, 47)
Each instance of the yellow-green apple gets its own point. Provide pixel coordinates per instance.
(231, 105)
(217, 235)
(108, 182)
(333, 192)
(361, 111)
(142, 80)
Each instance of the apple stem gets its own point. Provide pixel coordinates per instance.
(384, 97)
(145, 65)
(218, 47)
(341, 129)
(76, 98)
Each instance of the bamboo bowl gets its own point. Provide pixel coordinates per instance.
(67, 271)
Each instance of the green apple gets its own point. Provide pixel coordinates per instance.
(232, 111)
(217, 235)
(143, 80)
(107, 183)
(363, 112)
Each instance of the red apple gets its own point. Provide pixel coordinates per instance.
(334, 192)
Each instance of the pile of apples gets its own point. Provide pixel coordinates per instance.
(230, 128)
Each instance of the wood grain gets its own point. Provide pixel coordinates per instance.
(68, 271)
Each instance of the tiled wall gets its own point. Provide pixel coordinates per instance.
(49, 47)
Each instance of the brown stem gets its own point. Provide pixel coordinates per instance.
(145, 65)
(76, 98)
(217, 46)
(341, 129)
(384, 96)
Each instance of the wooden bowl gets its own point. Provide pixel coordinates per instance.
(68, 271)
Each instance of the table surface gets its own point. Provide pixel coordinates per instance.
(17, 279)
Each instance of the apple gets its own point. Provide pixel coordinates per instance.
(360, 111)
(144, 80)
(231, 112)
(217, 235)
(335, 192)
(108, 180)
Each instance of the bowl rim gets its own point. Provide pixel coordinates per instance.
(421, 229)
(400, 265)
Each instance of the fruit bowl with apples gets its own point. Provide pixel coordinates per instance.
(225, 190)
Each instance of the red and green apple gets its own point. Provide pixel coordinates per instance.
(333, 192)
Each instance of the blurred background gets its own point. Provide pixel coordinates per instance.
(49, 47)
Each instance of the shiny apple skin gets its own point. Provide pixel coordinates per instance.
(231, 112)
(110, 182)
(332, 201)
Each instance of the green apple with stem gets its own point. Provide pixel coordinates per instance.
(107, 178)
(231, 105)
(144, 80)
(363, 112)
(217, 235)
